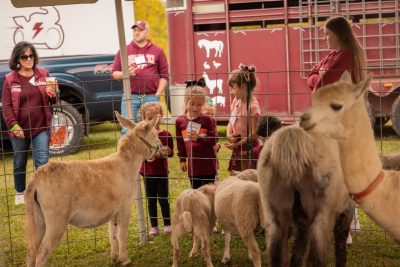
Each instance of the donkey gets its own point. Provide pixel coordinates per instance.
(88, 194)
(339, 110)
(301, 182)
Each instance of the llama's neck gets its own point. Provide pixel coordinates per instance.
(359, 156)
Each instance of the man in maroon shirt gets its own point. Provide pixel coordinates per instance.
(148, 70)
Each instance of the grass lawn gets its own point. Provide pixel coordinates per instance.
(90, 247)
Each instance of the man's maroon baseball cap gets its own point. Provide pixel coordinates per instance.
(141, 24)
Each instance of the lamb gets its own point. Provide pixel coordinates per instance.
(238, 209)
(88, 193)
(194, 213)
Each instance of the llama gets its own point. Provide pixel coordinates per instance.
(339, 110)
(88, 193)
(301, 182)
(238, 209)
(194, 213)
(211, 84)
(217, 45)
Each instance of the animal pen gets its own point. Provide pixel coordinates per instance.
(284, 40)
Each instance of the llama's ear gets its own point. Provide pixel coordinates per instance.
(346, 77)
(124, 122)
(362, 87)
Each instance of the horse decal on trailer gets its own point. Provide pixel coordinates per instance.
(218, 46)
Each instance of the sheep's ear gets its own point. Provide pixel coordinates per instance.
(124, 122)
(362, 87)
(346, 77)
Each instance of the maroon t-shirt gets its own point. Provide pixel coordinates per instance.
(31, 116)
(159, 167)
(200, 153)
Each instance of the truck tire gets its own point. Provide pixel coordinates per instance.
(67, 130)
(396, 115)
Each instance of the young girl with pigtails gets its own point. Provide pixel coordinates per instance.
(241, 132)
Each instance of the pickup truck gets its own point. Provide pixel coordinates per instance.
(88, 95)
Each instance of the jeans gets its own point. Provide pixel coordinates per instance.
(40, 147)
(137, 102)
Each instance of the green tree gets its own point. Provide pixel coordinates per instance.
(154, 12)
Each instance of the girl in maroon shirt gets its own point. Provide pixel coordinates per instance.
(155, 172)
(346, 54)
(196, 135)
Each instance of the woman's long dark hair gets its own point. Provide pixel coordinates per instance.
(342, 29)
(18, 51)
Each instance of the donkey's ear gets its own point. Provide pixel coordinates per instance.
(151, 124)
(362, 87)
(124, 122)
(346, 77)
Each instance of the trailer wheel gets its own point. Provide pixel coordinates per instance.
(396, 115)
(67, 130)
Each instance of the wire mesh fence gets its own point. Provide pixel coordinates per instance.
(93, 139)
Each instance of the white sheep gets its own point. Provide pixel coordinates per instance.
(238, 209)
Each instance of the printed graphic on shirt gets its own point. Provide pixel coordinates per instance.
(193, 126)
(15, 89)
(141, 60)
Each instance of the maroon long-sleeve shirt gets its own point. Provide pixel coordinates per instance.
(159, 167)
(333, 64)
(153, 66)
(200, 153)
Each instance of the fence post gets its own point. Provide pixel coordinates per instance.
(129, 111)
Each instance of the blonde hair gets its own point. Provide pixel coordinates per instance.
(193, 91)
(342, 29)
(210, 106)
(150, 105)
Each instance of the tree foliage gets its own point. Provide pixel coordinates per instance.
(154, 12)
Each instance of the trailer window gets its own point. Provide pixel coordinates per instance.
(176, 5)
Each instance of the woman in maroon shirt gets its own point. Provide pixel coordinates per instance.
(26, 111)
(346, 54)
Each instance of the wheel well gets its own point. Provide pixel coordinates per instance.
(71, 96)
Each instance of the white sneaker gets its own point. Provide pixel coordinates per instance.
(19, 198)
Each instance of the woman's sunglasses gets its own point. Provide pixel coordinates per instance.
(25, 57)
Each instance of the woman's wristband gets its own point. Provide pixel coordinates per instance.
(14, 127)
